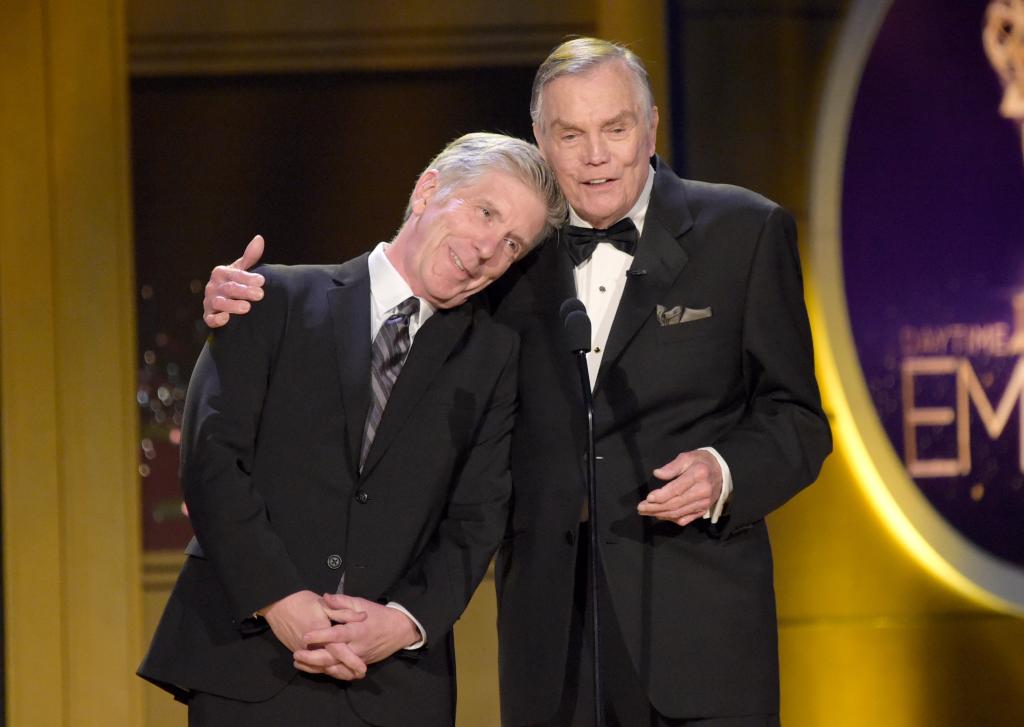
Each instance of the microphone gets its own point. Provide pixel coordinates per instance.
(568, 306)
(577, 325)
(577, 337)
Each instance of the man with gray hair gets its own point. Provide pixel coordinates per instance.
(707, 417)
(345, 465)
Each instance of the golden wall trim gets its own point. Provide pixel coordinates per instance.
(160, 569)
(262, 36)
(398, 49)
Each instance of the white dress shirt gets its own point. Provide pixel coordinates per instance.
(600, 282)
(388, 290)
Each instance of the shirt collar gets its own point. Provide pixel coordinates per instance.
(638, 213)
(388, 288)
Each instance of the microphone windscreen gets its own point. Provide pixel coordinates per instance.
(570, 305)
(577, 330)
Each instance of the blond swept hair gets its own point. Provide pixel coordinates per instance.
(471, 156)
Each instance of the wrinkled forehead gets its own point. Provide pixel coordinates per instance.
(474, 182)
(613, 71)
(502, 189)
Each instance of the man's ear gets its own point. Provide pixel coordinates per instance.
(653, 130)
(426, 187)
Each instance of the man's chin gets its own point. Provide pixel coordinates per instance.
(601, 213)
(449, 301)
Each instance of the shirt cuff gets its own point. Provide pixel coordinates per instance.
(715, 512)
(419, 627)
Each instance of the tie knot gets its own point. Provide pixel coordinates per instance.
(582, 241)
(405, 310)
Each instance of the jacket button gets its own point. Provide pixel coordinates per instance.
(362, 497)
(334, 562)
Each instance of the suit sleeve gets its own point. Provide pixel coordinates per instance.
(777, 448)
(438, 586)
(222, 418)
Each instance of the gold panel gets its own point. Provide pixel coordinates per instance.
(939, 671)
(71, 512)
(476, 656)
(836, 558)
(31, 476)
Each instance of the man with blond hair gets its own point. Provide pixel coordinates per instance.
(345, 465)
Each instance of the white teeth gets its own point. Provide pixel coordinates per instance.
(597, 181)
(457, 261)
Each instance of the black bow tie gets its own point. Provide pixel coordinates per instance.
(583, 240)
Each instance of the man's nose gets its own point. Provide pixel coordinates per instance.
(596, 150)
(487, 245)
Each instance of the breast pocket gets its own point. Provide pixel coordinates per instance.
(689, 330)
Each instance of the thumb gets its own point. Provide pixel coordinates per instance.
(251, 256)
(345, 615)
(671, 470)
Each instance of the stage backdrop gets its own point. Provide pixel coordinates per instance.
(918, 222)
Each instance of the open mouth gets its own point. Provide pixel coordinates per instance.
(597, 182)
(457, 261)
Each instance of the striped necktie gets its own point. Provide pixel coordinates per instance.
(387, 354)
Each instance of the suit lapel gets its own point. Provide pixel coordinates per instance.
(349, 304)
(430, 349)
(554, 291)
(659, 260)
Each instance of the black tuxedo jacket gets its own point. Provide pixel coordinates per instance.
(694, 604)
(273, 428)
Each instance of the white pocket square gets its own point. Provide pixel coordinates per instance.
(678, 314)
(695, 314)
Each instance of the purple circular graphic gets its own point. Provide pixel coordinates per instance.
(932, 227)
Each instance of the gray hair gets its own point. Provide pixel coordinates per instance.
(580, 55)
(468, 158)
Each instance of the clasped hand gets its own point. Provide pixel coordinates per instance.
(338, 635)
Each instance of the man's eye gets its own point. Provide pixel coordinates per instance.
(569, 137)
(485, 213)
(513, 246)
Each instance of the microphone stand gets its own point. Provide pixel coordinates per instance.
(577, 324)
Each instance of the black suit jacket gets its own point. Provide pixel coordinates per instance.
(273, 428)
(695, 604)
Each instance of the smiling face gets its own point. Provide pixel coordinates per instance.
(595, 135)
(458, 241)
